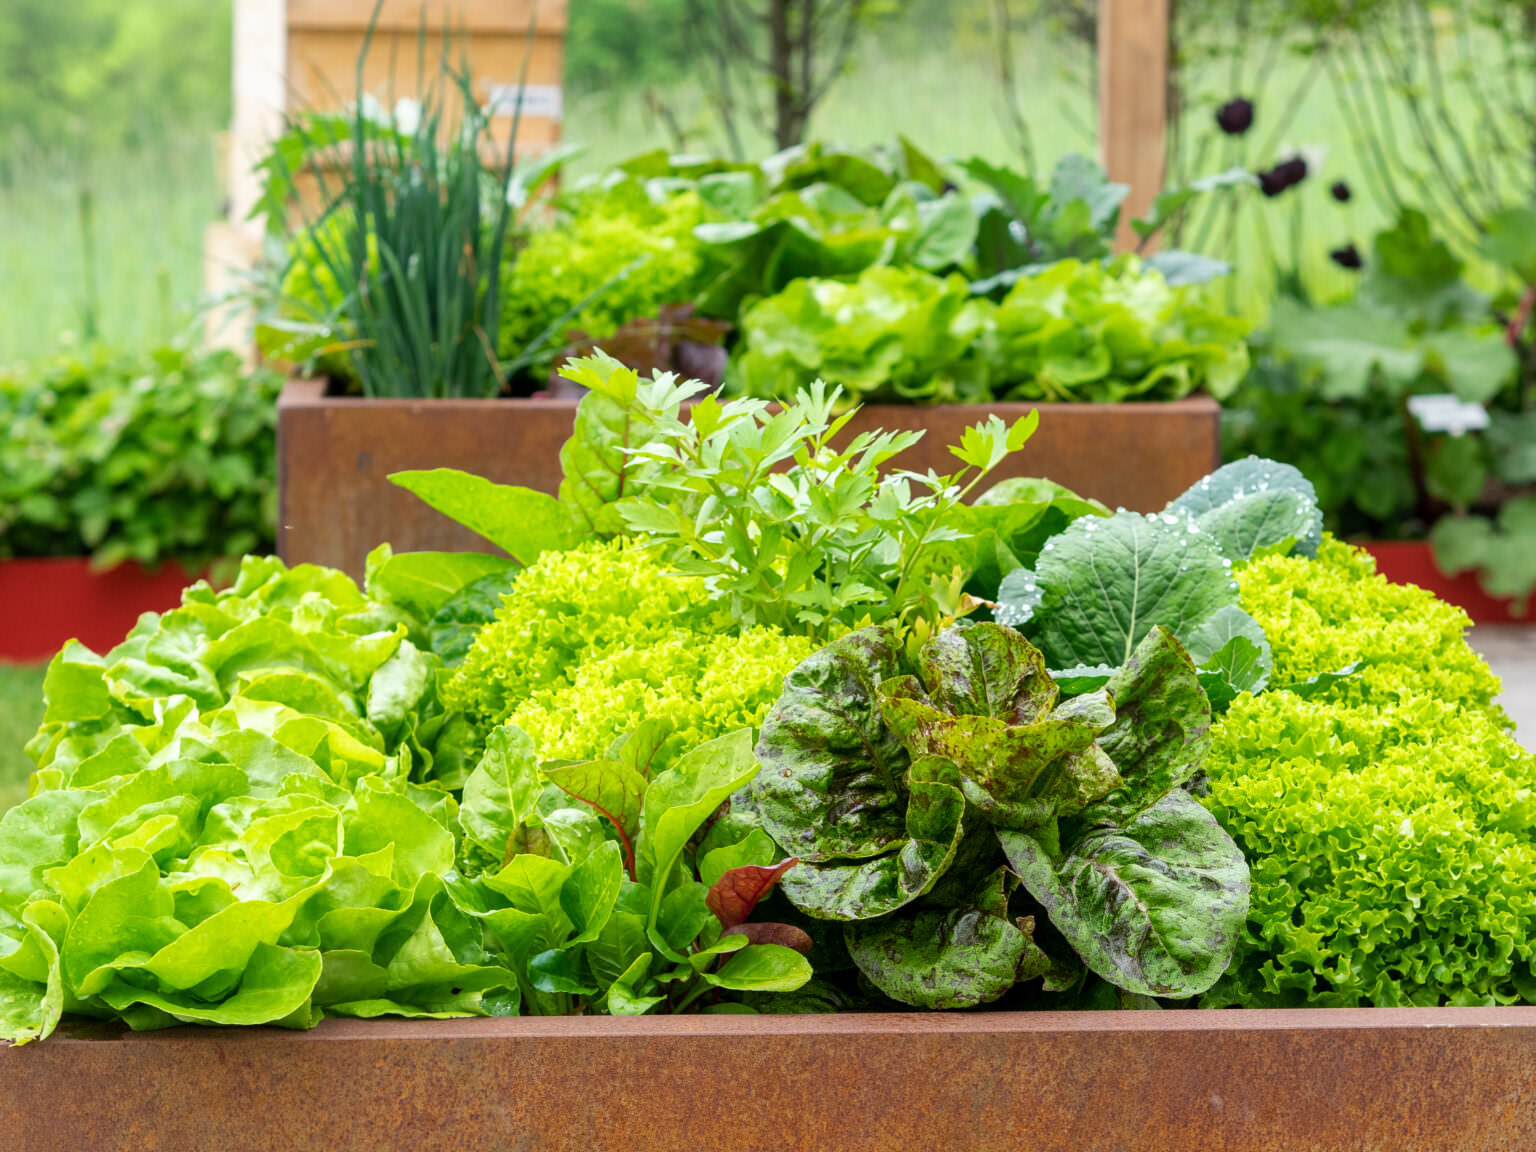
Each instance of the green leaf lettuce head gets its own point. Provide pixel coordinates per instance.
(1387, 818)
(1071, 331)
(917, 794)
(1103, 333)
(234, 821)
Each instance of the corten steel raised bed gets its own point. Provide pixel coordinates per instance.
(45, 602)
(334, 455)
(1365, 1080)
(1413, 562)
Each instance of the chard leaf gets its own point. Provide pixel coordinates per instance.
(613, 791)
(1153, 907)
(561, 970)
(947, 957)
(1106, 583)
(589, 893)
(762, 968)
(787, 935)
(735, 894)
(624, 998)
(753, 849)
(521, 521)
(681, 799)
(831, 781)
(500, 793)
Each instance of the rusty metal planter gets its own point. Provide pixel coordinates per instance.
(1394, 1080)
(334, 454)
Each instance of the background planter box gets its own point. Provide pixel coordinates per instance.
(1413, 562)
(335, 454)
(1368, 1080)
(49, 601)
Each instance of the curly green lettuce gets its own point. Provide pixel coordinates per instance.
(1389, 821)
(702, 686)
(569, 608)
(609, 230)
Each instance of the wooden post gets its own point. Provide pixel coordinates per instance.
(1133, 101)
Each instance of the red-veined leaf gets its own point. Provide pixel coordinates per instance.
(736, 893)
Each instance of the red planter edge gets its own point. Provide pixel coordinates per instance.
(49, 601)
(1413, 562)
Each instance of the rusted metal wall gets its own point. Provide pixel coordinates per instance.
(335, 503)
(1371, 1080)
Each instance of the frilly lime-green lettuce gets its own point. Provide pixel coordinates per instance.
(568, 608)
(1390, 823)
(592, 641)
(704, 686)
(560, 267)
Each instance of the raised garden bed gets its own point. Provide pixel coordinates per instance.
(336, 453)
(1370, 1080)
(1413, 562)
(50, 601)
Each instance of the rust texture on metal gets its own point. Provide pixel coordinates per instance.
(1369, 1080)
(335, 456)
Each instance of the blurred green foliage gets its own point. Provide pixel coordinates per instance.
(111, 73)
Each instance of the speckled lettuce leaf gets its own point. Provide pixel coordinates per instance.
(1161, 729)
(949, 957)
(1236, 503)
(862, 889)
(987, 670)
(831, 784)
(1105, 583)
(1154, 906)
(987, 705)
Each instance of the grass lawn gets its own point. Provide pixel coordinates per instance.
(21, 711)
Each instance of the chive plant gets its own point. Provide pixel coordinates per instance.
(415, 272)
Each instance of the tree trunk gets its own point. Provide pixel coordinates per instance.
(781, 59)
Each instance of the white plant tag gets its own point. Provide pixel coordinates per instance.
(540, 101)
(1443, 412)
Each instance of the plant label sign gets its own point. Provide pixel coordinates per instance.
(1444, 412)
(544, 101)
